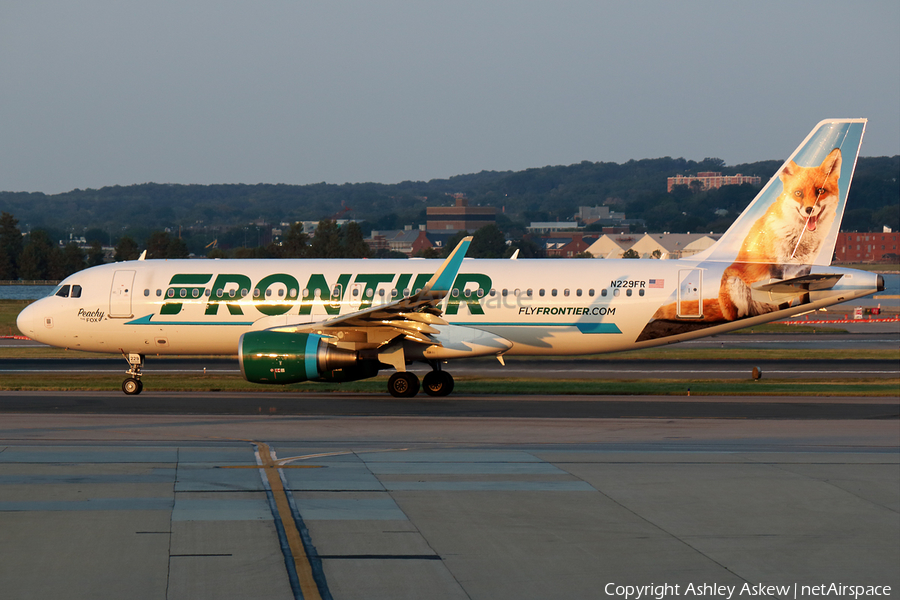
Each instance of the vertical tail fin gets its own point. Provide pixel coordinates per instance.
(795, 218)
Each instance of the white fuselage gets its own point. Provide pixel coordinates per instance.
(543, 307)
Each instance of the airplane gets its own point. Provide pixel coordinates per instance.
(339, 320)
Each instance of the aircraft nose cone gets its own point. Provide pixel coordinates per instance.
(25, 321)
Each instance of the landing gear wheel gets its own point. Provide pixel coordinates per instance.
(437, 383)
(132, 386)
(403, 385)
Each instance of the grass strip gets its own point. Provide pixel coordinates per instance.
(468, 385)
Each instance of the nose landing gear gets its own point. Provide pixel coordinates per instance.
(133, 385)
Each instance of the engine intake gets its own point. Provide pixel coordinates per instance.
(277, 357)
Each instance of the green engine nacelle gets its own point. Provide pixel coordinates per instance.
(276, 357)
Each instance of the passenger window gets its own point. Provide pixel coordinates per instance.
(455, 292)
(591, 293)
(553, 292)
(195, 292)
(493, 292)
(578, 292)
(146, 292)
(63, 291)
(480, 292)
(628, 292)
(528, 293)
(616, 292)
(566, 293)
(603, 292)
(541, 293)
(640, 292)
(369, 293)
(159, 293)
(170, 293)
(244, 292)
(505, 292)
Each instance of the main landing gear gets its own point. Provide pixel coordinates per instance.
(404, 384)
(133, 385)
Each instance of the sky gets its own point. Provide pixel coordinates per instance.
(117, 92)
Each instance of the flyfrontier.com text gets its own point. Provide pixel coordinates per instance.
(796, 590)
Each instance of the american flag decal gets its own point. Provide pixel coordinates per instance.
(657, 283)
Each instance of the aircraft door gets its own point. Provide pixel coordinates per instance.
(690, 294)
(120, 294)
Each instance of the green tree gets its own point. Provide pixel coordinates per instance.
(158, 245)
(177, 248)
(41, 258)
(126, 249)
(429, 253)
(631, 253)
(527, 249)
(326, 242)
(73, 260)
(95, 255)
(354, 246)
(295, 243)
(488, 242)
(10, 246)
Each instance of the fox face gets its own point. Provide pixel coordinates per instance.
(811, 190)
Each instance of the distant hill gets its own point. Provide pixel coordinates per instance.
(637, 188)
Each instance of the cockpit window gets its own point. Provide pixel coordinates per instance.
(76, 291)
(63, 291)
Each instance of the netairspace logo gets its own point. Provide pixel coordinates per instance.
(795, 591)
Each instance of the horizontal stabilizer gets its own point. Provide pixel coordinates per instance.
(813, 283)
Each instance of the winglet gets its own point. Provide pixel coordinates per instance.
(441, 282)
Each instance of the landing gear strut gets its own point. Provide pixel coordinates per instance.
(133, 385)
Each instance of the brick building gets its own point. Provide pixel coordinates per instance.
(711, 180)
(867, 247)
(460, 217)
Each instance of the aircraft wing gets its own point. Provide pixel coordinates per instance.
(416, 318)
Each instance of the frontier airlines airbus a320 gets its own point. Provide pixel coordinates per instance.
(342, 320)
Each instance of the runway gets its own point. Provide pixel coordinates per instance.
(443, 507)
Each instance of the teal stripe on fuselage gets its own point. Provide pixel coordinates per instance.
(582, 327)
(147, 321)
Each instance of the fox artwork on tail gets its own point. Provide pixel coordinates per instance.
(788, 236)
